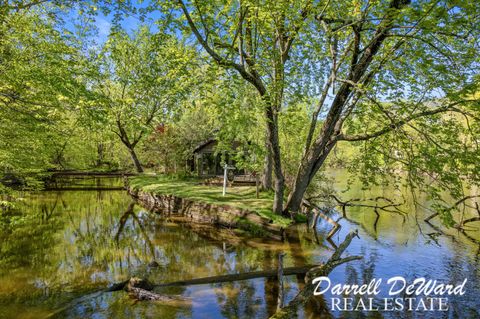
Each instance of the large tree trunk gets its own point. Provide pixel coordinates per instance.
(130, 145)
(100, 154)
(273, 147)
(316, 154)
(267, 171)
(305, 174)
(278, 197)
(274, 144)
(136, 161)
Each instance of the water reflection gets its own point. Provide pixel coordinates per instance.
(58, 249)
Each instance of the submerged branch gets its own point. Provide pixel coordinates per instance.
(388, 205)
(318, 213)
(323, 270)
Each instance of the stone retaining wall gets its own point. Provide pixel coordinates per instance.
(200, 212)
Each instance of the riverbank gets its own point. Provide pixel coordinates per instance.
(239, 208)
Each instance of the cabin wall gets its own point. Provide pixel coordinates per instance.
(209, 164)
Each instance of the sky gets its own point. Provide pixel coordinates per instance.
(129, 24)
(104, 22)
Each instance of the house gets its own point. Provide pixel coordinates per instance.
(208, 164)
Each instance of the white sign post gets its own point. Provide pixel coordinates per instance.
(225, 169)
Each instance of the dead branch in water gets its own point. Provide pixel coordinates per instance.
(380, 203)
(462, 201)
(141, 289)
(470, 220)
(322, 270)
(318, 213)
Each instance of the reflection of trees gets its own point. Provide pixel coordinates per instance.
(238, 299)
(48, 210)
(270, 284)
(358, 277)
(242, 299)
(78, 241)
(27, 237)
(123, 220)
(458, 268)
(316, 306)
(65, 239)
(298, 256)
(70, 246)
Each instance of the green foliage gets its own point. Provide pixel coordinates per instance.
(236, 111)
(216, 108)
(68, 102)
(387, 63)
(143, 79)
(40, 84)
(293, 126)
(170, 146)
(436, 155)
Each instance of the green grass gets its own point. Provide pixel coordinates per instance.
(191, 188)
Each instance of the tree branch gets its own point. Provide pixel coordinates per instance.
(395, 125)
(255, 80)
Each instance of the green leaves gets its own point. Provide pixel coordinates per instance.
(143, 79)
(39, 81)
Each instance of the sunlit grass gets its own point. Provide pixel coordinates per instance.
(243, 197)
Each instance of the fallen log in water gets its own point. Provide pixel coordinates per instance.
(237, 277)
(140, 289)
(219, 279)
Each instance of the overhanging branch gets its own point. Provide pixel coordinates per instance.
(395, 125)
(255, 80)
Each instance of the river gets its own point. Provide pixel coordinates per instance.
(59, 248)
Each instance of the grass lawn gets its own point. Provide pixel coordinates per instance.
(239, 197)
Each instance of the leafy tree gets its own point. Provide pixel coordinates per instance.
(144, 77)
(40, 79)
(170, 146)
(217, 107)
(44, 85)
(405, 62)
(395, 81)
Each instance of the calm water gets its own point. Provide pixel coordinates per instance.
(61, 247)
